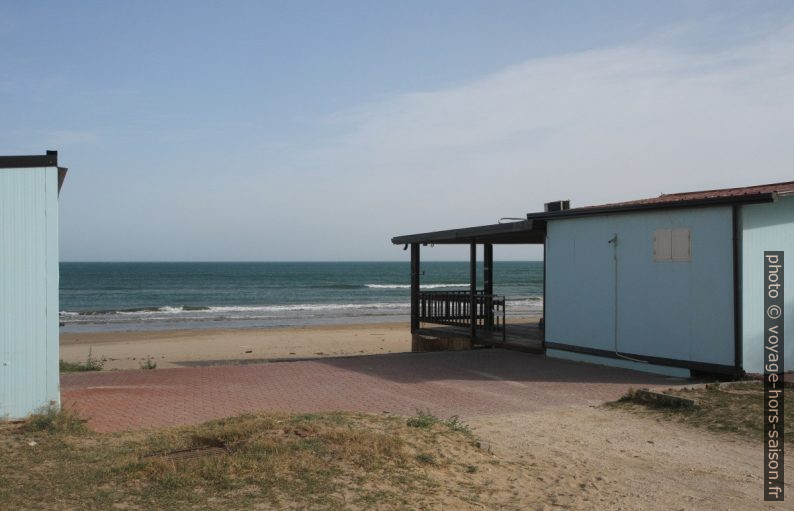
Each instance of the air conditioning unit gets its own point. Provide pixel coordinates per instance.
(558, 205)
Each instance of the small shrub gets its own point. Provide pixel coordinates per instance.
(426, 420)
(149, 363)
(91, 364)
(454, 423)
(51, 419)
(427, 459)
(471, 469)
(422, 420)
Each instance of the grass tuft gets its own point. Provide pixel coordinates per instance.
(423, 419)
(91, 364)
(426, 458)
(149, 363)
(657, 399)
(51, 419)
(455, 424)
(280, 461)
(736, 408)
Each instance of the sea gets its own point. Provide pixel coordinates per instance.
(164, 296)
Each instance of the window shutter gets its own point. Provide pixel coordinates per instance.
(681, 244)
(662, 245)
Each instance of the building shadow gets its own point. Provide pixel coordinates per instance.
(490, 364)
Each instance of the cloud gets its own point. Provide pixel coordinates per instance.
(664, 114)
(595, 126)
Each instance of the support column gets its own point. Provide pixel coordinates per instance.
(473, 287)
(414, 287)
(542, 322)
(487, 271)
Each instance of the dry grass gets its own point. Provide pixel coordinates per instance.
(736, 409)
(326, 461)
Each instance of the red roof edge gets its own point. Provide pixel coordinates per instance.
(757, 193)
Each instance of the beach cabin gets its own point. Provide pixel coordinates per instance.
(671, 284)
(29, 187)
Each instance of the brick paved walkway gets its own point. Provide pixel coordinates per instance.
(464, 383)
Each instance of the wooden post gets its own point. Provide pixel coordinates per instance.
(414, 287)
(473, 287)
(542, 323)
(487, 271)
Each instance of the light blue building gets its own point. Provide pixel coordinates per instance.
(29, 187)
(671, 284)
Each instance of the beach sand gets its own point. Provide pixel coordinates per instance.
(179, 348)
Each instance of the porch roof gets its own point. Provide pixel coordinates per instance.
(524, 231)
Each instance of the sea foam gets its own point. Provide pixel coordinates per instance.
(408, 286)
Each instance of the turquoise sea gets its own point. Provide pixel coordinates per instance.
(157, 296)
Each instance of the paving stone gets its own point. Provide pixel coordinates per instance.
(462, 383)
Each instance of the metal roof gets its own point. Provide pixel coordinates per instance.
(524, 231)
(50, 159)
(533, 230)
(722, 196)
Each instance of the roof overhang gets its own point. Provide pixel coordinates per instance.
(522, 232)
(61, 177)
(50, 159)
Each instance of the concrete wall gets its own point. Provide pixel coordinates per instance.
(28, 290)
(765, 227)
(679, 310)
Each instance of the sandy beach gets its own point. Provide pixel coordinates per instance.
(179, 348)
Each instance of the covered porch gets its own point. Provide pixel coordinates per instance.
(474, 317)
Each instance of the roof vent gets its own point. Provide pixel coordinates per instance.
(558, 205)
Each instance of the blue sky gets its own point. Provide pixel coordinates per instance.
(318, 130)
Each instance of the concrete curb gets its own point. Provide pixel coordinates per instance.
(666, 400)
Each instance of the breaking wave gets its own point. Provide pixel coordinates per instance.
(245, 309)
(408, 286)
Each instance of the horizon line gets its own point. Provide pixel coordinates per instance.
(299, 261)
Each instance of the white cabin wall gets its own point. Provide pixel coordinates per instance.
(28, 290)
(768, 226)
(677, 310)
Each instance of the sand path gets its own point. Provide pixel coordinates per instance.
(589, 457)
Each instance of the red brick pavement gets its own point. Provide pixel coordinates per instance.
(464, 383)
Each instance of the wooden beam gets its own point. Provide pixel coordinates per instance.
(415, 269)
(473, 287)
(543, 310)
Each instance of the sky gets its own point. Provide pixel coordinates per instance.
(316, 131)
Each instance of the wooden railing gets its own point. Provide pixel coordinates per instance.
(453, 308)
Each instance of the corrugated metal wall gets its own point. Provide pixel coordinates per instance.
(765, 227)
(28, 290)
(679, 310)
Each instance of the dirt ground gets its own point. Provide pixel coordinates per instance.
(590, 457)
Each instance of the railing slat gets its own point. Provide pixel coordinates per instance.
(453, 308)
